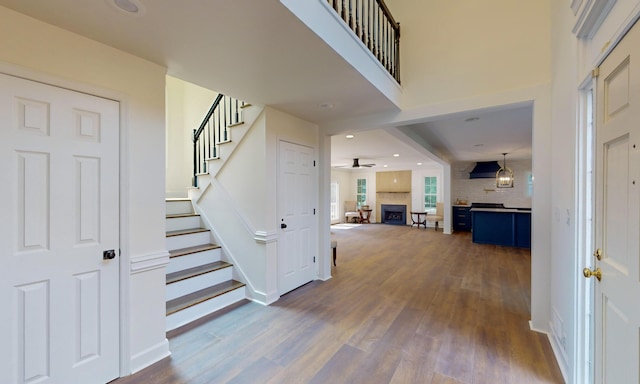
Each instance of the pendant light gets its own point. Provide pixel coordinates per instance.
(504, 176)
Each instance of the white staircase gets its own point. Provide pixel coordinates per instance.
(198, 281)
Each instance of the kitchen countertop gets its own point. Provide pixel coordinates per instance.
(502, 210)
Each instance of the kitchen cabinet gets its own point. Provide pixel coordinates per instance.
(508, 227)
(461, 218)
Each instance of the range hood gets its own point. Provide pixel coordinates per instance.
(484, 170)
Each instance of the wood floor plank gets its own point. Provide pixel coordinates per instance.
(403, 306)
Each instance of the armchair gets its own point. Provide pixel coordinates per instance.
(350, 212)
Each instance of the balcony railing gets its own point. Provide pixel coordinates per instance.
(372, 22)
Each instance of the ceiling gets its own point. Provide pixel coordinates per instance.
(470, 136)
(256, 51)
(278, 61)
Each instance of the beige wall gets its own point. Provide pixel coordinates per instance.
(459, 49)
(66, 59)
(187, 105)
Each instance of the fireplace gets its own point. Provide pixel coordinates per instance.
(394, 214)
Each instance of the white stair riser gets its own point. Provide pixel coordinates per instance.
(176, 207)
(193, 260)
(195, 312)
(190, 240)
(196, 283)
(178, 223)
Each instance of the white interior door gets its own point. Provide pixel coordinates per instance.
(296, 196)
(617, 296)
(59, 204)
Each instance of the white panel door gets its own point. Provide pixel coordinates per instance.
(59, 204)
(617, 295)
(296, 196)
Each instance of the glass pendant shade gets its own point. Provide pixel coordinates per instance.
(504, 176)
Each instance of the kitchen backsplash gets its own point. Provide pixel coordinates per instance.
(485, 191)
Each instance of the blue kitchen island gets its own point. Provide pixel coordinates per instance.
(502, 226)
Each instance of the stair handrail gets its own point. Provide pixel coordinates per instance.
(214, 130)
(375, 26)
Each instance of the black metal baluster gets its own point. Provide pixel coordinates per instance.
(369, 24)
(357, 28)
(237, 113)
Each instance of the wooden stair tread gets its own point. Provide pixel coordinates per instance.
(186, 231)
(194, 249)
(202, 295)
(177, 215)
(196, 271)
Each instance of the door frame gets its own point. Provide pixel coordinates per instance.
(584, 316)
(124, 257)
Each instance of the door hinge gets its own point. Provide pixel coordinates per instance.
(119, 252)
(314, 163)
(314, 259)
(595, 72)
(314, 211)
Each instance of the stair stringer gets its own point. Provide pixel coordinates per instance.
(242, 245)
(250, 114)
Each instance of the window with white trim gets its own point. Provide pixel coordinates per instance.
(334, 201)
(361, 193)
(430, 193)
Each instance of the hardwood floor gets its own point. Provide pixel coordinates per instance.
(405, 305)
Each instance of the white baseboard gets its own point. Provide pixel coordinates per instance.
(149, 356)
(558, 355)
(263, 298)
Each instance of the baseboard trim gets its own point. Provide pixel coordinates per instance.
(557, 353)
(149, 356)
(263, 298)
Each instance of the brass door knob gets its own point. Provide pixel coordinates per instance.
(588, 273)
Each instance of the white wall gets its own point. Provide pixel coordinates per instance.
(241, 203)
(348, 185)
(458, 49)
(485, 191)
(73, 61)
(572, 61)
(186, 106)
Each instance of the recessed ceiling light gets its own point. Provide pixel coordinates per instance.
(419, 163)
(349, 136)
(127, 5)
(326, 105)
(396, 155)
(385, 166)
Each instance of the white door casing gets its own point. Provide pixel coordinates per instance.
(60, 205)
(617, 216)
(296, 195)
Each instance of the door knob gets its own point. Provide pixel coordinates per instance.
(109, 254)
(588, 273)
(283, 225)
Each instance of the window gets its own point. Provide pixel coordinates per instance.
(361, 193)
(430, 193)
(334, 201)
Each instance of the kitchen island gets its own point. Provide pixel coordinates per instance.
(502, 226)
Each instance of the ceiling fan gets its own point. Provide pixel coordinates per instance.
(356, 164)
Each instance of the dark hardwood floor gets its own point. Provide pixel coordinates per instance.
(405, 305)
